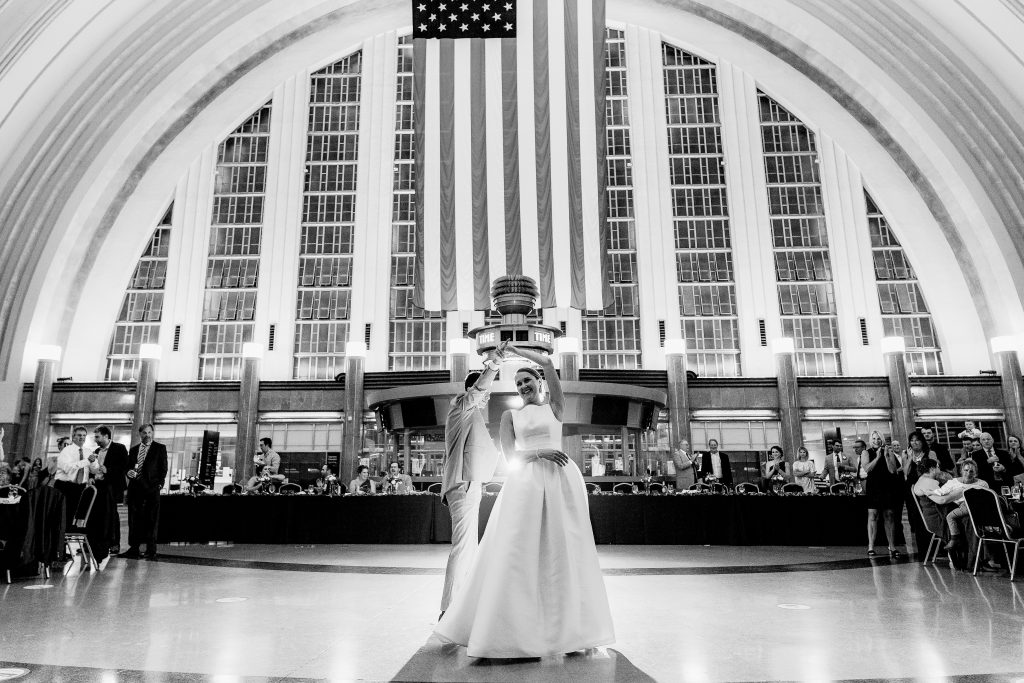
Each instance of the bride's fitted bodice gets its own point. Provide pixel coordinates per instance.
(536, 427)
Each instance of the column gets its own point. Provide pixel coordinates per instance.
(145, 386)
(678, 392)
(790, 429)
(901, 405)
(248, 409)
(1008, 364)
(568, 350)
(355, 367)
(458, 361)
(42, 390)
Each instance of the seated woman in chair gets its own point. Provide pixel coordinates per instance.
(362, 483)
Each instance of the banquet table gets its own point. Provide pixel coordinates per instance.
(616, 519)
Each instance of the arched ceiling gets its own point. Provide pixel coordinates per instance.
(108, 101)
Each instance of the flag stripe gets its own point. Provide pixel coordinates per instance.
(465, 260)
(573, 126)
(559, 155)
(419, 89)
(600, 78)
(496, 247)
(446, 109)
(592, 166)
(542, 151)
(528, 209)
(479, 141)
(509, 108)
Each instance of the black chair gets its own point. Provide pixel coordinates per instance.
(839, 489)
(990, 526)
(935, 543)
(698, 487)
(719, 487)
(656, 487)
(792, 488)
(77, 533)
(232, 490)
(747, 487)
(290, 488)
(435, 488)
(593, 488)
(623, 487)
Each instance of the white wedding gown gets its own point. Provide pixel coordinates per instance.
(535, 588)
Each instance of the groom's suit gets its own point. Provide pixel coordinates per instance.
(469, 461)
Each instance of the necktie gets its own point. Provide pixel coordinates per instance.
(143, 450)
(82, 473)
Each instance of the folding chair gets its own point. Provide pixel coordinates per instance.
(990, 526)
(79, 524)
(936, 539)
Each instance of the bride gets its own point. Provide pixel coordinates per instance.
(535, 588)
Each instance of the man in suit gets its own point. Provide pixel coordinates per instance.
(941, 452)
(469, 461)
(993, 464)
(837, 464)
(111, 478)
(716, 463)
(395, 481)
(147, 469)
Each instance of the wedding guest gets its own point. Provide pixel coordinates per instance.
(23, 467)
(147, 470)
(713, 462)
(776, 466)
(970, 430)
(685, 463)
(929, 479)
(837, 464)
(111, 478)
(75, 465)
(941, 451)
(395, 481)
(992, 463)
(1016, 453)
(362, 483)
(803, 470)
(953, 492)
(884, 489)
(36, 475)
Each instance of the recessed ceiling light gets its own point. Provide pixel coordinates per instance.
(232, 599)
(39, 587)
(792, 605)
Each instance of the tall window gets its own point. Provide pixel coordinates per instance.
(704, 267)
(232, 270)
(904, 312)
(803, 268)
(138, 321)
(611, 338)
(417, 337)
(328, 218)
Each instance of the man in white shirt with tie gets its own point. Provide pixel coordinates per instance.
(75, 464)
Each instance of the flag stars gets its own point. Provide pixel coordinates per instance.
(475, 17)
(497, 17)
(423, 28)
(432, 17)
(508, 6)
(508, 27)
(421, 7)
(464, 27)
(442, 7)
(453, 17)
(486, 27)
(486, 7)
(463, 7)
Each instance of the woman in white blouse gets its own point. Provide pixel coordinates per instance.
(803, 470)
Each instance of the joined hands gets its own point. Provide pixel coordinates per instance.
(550, 454)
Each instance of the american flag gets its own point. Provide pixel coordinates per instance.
(509, 105)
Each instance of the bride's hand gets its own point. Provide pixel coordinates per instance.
(550, 454)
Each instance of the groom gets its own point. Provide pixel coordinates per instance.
(469, 461)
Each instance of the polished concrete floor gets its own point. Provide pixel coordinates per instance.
(227, 613)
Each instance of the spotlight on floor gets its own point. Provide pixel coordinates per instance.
(39, 587)
(232, 599)
(792, 605)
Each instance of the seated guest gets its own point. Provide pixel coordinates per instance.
(715, 463)
(803, 470)
(685, 464)
(776, 470)
(942, 454)
(395, 481)
(953, 492)
(21, 468)
(929, 479)
(362, 483)
(837, 464)
(327, 483)
(968, 447)
(36, 475)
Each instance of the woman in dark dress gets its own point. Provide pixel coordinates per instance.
(885, 489)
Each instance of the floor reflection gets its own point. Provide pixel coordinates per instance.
(438, 661)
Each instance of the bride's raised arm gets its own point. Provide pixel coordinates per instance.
(555, 397)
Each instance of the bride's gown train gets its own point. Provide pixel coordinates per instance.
(535, 587)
